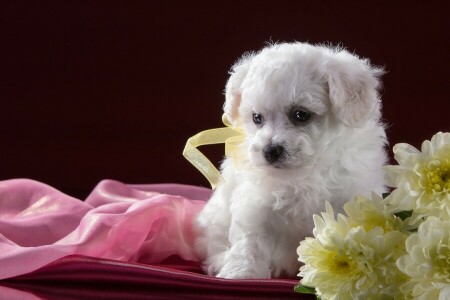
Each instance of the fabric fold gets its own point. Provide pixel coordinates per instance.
(129, 223)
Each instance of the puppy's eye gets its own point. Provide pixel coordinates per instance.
(301, 116)
(258, 119)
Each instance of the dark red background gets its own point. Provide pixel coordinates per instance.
(112, 89)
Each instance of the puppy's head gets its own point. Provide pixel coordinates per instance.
(288, 97)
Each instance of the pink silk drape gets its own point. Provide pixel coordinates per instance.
(129, 223)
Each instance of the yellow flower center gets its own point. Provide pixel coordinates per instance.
(435, 176)
(376, 220)
(342, 267)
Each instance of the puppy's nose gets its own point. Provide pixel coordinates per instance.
(272, 153)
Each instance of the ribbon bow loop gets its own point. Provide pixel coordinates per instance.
(232, 137)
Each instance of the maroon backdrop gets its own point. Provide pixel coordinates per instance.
(105, 89)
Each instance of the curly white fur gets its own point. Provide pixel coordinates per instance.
(252, 225)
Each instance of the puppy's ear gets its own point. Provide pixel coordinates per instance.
(353, 86)
(233, 89)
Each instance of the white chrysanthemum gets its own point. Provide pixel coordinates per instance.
(422, 178)
(345, 262)
(371, 213)
(427, 261)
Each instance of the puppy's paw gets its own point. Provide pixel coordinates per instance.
(235, 271)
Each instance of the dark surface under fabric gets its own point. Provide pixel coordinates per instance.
(81, 277)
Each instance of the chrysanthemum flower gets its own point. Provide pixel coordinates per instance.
(427, 261)
(422, 178)
(344, 262)
(371, 213)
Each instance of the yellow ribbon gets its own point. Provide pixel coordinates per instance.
(232, 137)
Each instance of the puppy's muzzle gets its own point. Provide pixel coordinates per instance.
(273, 153)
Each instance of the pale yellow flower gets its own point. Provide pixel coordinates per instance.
(422, 178)
(371, 213)
(344, 262)
(427, 261)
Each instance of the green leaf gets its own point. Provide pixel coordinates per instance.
(403, 214)
(303, 289)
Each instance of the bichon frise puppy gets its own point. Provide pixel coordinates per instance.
(311, 116)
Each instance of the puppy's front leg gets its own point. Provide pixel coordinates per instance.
(249, 255)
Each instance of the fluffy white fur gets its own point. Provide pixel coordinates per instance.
(252, 225)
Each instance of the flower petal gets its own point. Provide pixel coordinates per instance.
(405, 154)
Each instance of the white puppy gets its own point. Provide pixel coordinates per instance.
(311, 115)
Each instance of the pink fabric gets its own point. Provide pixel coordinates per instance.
(130, 223)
